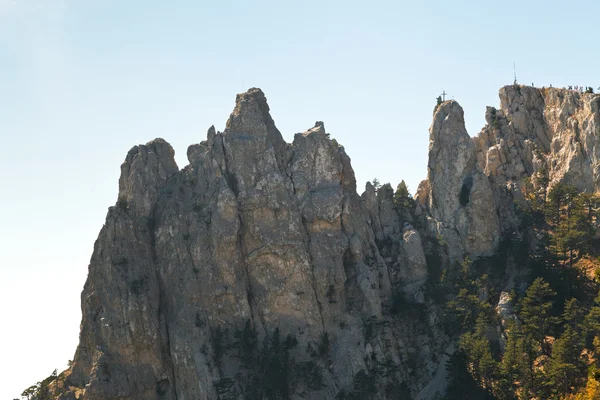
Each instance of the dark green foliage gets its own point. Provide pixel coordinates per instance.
(514, 368)
(399, 302)
(402, 197)
(573, 313)
(566, 368)
(556, 320)
(167, 190)
(461, 385)
(402, 190)
(30, 392)
(246, 344)
(226, 389)
(571, 215)
(290, 342)
(395, 391)
(591, 323)
(558, 196)
(122, 204)
(363, 386)
(219, 342)
(137, 286)
(535, 311)
(376, 183)
(269, 370)
(311, 374)
(276, 369)
(467, 308)
(476, 348)
(365, 383)
(324, 345)
(372, 325)
(41, 390)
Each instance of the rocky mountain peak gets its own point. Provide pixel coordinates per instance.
(251, 117)
(203, 279)
(548, 131)
(144, 172)
(458, 193)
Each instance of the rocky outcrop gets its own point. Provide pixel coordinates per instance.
(259, 263)
(458, 195)
(254, 237)
(549, 131)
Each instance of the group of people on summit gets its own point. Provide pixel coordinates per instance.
(577, 88)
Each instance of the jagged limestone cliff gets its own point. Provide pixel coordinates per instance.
(198, 272)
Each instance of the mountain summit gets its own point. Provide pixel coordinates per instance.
(257, 271)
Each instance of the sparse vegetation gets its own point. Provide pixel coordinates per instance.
(122, 204)
(41, 390)
(376, 184)
(269, 369)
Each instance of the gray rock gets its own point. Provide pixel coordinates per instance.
(254, 231)
(459, 194)
(257, 236)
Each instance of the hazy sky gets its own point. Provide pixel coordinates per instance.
(82, 81)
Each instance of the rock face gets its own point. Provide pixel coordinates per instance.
(260, 257)
(460, 196)
(254, 235)
(553, 131)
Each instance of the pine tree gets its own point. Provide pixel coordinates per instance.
(467, 308)
(573, 234)
(514, 367)
(461, 385)
(591, 323)
(402, 190)
(402, 196)
(247, 344)
(558, 196)
(376, 183)
(571, 214)
(573, 314)
(479, 358)
(536, 309)
(565, 369)
(590, 204)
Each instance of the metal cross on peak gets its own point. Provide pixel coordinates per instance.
(444, 95)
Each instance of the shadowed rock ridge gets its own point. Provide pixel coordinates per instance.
(258, 235)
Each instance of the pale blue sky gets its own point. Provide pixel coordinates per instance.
(82, 81)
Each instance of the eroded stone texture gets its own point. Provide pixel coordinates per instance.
(259, 233)
(459, 195)
(253, 231)
(551, 131)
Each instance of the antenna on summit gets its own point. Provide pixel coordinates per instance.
(515, 71)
